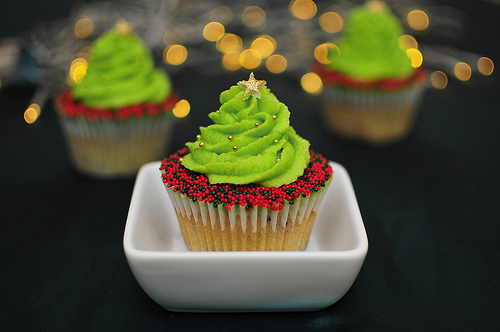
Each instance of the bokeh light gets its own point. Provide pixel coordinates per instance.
(175, 54)
(276, 64)
(264, 46)
(331, 22)
(84, 27)
(418, 20)
(407, 41)
(231, 60)
(230, 42)
(415, 57)
(485, 66)
(462, 71)
(78, 69)
(250, 59)
(321, 52)
(303, 9)
(222, 14)
(213, 31)
(253, 17)
(311, 83)
(32, 113)
(439, 80)
(181, 108)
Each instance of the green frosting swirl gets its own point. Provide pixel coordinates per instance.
(269, 154)
(369, 46)
(121, 73)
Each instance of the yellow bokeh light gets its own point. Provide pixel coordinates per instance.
(321, 52)
(250, 59)
(331, 22)
(439, 80)
(32, 113)
(485, 66)
(213, 31)
(462, 71)
(415, 57)
(229, 43)
(84, 27)
(222, 14)
(303, 9)
(78, 69)
(407, 41)
(253, 17)
(175, 54)
(276, 64)
(231, 61)
(418, 20)
(264, 46)
(181, 108)
(312, 83)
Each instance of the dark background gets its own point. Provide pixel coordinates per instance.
(430, 205)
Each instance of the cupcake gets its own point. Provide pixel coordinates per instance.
(371, 91)
(118, 116)
(248, 182)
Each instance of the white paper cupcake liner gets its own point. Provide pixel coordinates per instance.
(112, 148)
(372, 116)
(208, 228)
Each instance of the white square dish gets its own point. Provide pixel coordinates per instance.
(180, 280)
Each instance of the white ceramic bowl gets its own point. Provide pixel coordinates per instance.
(180, 280)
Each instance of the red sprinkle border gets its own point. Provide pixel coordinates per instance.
(332, 77)
(72, 108)
(197, 186)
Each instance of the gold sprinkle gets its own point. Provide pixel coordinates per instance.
(217, 111)
(252, 87)
(198, 137)
(230, 137)
(278, 160)
(180, 159)
(274, 116)
(235, 147)
(276, 141)
(256, 124)
(202, 144)
(123, 27)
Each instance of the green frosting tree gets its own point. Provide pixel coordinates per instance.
(121, 72)
(251, 140)
(369, 47)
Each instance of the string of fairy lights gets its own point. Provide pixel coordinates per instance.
(217, 37)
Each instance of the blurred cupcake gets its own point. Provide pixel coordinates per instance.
(118, 116)
(248, 182)
(371, 91)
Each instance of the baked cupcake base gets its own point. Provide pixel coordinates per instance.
(226, 217)
(206, 228)
(372, 116)
(112, 148)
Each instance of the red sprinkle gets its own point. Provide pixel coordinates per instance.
(197, 186)
(72, 108)
(332, 77)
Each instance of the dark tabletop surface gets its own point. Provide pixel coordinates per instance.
(430, 205)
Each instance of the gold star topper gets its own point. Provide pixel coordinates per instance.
(252, 87)
(123, 27)
(376, 5)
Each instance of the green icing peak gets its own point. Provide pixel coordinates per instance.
(369, 47)
(121, 73)
(251, 141)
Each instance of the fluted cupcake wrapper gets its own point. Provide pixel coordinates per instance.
(208, 228)
(372, 116)
(108, 149)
